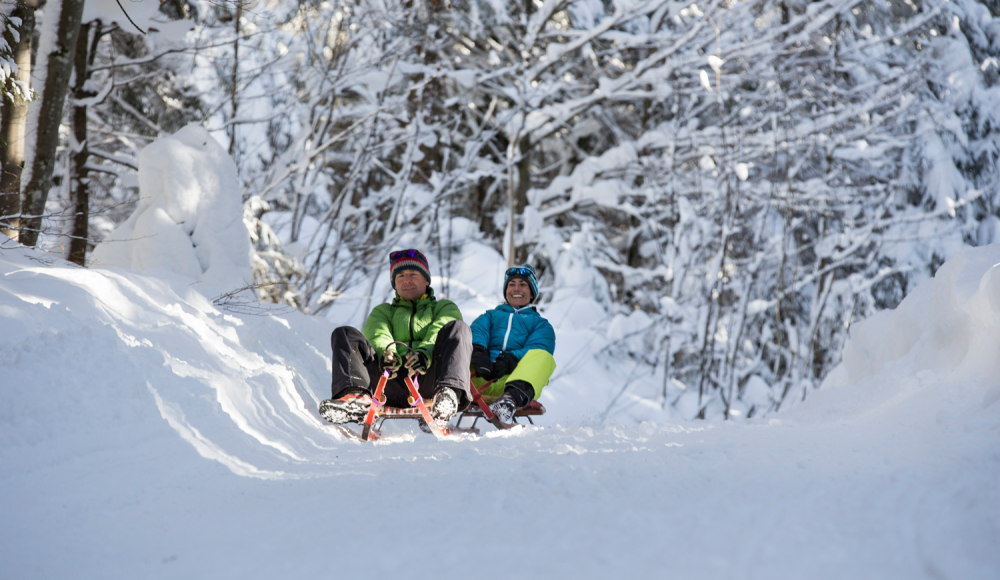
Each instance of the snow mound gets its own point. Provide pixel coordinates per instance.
(931, 361)
(115, 351)
(190, 217)
(949, 325)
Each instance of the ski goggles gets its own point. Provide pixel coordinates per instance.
(518, 271)
(399, 255)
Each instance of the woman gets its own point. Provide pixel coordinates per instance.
(514, 345)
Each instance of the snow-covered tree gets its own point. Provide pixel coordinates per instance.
(751, 177)
(799, 171)
(15, 70)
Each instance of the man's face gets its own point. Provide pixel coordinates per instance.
(518, 293)
(411, 285)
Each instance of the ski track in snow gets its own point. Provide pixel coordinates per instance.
(145, 433)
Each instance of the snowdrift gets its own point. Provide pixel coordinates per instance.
(91, 355)
(944, 336)
(949, 326)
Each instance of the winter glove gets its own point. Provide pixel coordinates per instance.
(415, 362)
(481, 362)
(391, 363)
(505, 364)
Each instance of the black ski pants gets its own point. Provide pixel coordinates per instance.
(357, 369)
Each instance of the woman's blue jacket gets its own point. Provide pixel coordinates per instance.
(513, 330)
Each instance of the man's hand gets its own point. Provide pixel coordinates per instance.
(415, 362)
(481, 362)
(391, 363)
(505, 364)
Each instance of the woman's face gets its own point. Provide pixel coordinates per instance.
(518, 293)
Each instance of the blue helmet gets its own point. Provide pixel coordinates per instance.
(524, 272)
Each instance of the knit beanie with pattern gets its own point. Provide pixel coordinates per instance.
(408, 260)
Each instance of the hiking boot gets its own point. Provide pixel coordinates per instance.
(351, 408)
(504, 408)
(445, 405)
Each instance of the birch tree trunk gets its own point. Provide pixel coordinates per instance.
(57, 47)
(15, 116)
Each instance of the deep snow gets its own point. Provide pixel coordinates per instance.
(147, 432)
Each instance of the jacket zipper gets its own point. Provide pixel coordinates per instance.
(412, 314)
(510, 320)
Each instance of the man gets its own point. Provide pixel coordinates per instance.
(440, 349)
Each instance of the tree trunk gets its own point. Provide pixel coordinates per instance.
(518, 196)
(15, 116)
(80, 184)
(523, 173)
(56, 65)
(233, 97)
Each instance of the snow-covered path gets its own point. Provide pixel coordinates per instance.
(879, 498)
(145, 433)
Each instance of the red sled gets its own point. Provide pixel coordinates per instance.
(379, 412)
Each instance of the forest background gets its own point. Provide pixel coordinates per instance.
(742, 180)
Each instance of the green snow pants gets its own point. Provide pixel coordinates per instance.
(535, 369)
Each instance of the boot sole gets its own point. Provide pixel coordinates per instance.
(339, 413)
(444, 410)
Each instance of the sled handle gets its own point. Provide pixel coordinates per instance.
(401, 343)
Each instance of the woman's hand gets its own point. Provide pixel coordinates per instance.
(505, 364)
(481, 363)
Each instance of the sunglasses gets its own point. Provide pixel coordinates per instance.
(404, 254)
(520, 272)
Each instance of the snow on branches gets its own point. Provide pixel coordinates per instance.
(732, 183)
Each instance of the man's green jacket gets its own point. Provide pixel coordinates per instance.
(416, 323)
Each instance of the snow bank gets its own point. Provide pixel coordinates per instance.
(190, 217)
(934, 361)
(949, 325)
(89, 354)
